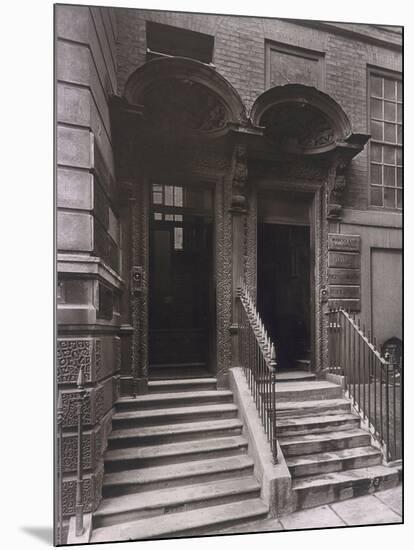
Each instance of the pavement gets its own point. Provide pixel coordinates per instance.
(378, 508)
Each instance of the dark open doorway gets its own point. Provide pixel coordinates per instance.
(181, 280)
(283, 290)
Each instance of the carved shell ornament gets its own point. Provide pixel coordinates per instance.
(184, 105)
(298, 127)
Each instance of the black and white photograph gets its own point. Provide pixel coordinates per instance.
(229, 274)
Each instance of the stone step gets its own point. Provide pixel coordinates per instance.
(153, 417)
(334, 461)
(303, 363)
(172, 372)
(323, 442)
(316, 424)
(174, 475)
(156, 455)
(307, 391)
(184, 523)
(326, 488)
(294, 375)
(172, 433)
(164, 501)
(311, 408)
(182, 399)
(185, 384)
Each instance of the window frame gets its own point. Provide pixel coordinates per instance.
(397, 77)
(185, 35)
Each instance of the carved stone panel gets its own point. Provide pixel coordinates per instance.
(70, 408)
(72, 353)
(69, 495)
(70, 451)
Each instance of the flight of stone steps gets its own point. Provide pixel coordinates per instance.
(176, 465)
(329, 456)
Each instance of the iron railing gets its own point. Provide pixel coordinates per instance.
(60, 459)
(257, 357)
(372, 382)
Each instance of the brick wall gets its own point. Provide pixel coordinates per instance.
(239, 55)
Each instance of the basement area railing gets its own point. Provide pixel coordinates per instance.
(257, 357)
(372, 382)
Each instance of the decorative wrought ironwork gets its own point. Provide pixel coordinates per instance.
(258, 358)
(371, 380)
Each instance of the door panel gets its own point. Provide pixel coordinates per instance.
(283, 289)
(181, 265)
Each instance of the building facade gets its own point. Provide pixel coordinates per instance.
(197, 153)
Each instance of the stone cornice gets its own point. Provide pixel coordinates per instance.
(90, 266)
(394, 43)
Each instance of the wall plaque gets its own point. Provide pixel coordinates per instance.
(353, 305)
(344, 274)
(344, 292)
(338, 276)
(347, 243)
(343, 259)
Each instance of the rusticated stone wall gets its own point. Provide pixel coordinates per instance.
(88, 241)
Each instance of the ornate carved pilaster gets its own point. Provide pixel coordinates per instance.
(139, 292)
(250, 243)
(321, 277)
(224, 274)
(239, 179)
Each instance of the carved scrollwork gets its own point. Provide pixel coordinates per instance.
(336, 188)
(184, 104)
(298, 128)
(240, 174)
